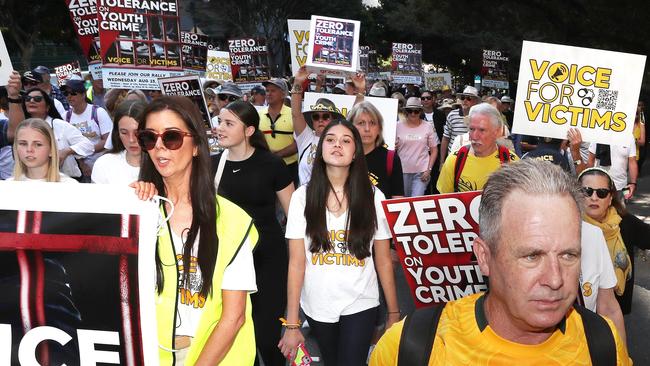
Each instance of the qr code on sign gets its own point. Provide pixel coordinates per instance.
(607, 99)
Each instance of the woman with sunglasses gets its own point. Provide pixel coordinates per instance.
(36, 103)
(308, 126)
(254, 178)
(416, 143)
(210, 323)
(121, 164)
(623, 231)
(338, 245)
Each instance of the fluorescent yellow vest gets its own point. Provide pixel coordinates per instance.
(233, 227)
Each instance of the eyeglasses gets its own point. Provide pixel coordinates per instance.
(321, 116)
(600, 192)
(465, 97)
(230, 98)
(35, 98)
(171, 139)
(413, 111)
(69, 93)
(426, 98)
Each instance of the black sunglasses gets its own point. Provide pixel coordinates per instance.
(321, 116)
(35, 98)
(600, 192)
(426, 98)
(171, 139)
(413, 111)
(67, 93)
(230, 98)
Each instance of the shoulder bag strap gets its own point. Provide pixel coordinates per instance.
(418, 335)
(222, 163)
(461, 158)
(600, 340)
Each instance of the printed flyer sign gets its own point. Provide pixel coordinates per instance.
(139, 42)
(386, 106)
(435, 81)
(434, 238)
(333, 46)
(406, 66)
(218, 66)
(194, 51)
(249, 60)
(5, 62)
(77, 284)
(84, 19)
(495, 69)
(187, 86)
(363, 58)
(65, 71)
(298, 41)
(593, 90)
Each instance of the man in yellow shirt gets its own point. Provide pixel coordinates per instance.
(480, 158)
(532, 259)
(277, 126)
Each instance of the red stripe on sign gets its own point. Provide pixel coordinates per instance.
(69, 243)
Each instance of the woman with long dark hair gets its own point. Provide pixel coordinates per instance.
(254, 178)
(204, 261)
(338, 245)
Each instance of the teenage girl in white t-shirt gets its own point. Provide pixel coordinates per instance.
(338, 245)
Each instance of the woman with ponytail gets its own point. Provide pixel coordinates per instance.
(254, 178)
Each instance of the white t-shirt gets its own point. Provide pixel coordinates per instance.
(336, 283)
(63, 179)
(91, 129)
(68, 136)
(596, 268)
(238, 276)
(619, 155)
(113, 168)
(307, 143)
(428, 116)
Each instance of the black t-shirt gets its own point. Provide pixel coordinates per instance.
(389, 186)
(252, 185)
(550, 153)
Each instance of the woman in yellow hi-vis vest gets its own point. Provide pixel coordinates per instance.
(204, 262)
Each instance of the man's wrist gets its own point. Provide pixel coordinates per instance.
(296, 89)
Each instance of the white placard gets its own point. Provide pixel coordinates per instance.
(562, 87)
(298, 42)
(218, 66)
(5, 62)
(333, 47)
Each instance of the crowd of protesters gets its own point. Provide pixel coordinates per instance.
(297, 230)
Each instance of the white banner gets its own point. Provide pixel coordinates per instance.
(298, 41)
(562, 87)
(5, 62)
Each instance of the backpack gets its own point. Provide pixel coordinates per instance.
(419, 333)
(389, 162)
(461, 158)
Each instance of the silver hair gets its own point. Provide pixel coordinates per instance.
(373, 112)
(487, 110)
(533, 177)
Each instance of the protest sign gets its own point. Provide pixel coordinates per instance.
(387, 108)
(433, 237)
(77, 275)
(593, 90)
(139, 42)
(194, 51)
(65, 71)
(406, 66)
(5, 62)
(218, 66)
(363, 58)
(435, 81)
(495, 69)
(298, 40)
(333, 46)
(84, 19)
(187, 86)
(249, 60)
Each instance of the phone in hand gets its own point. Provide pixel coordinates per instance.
(302, 356)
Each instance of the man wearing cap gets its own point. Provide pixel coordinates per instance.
(277, 126)
(93, 121)
(338, 89)
(258, 96)
(506, 109)
(226, 93)
(455, 124)
(52, 90)
(33, 79)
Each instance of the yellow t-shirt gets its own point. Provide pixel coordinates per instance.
(636, 132)
(475, 172)
(460, 341)
(283, 129)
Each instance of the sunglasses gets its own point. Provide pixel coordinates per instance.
(426, 98)
(413, 111)
(230, 98)
(321, 116)
(69, 93)
(465, 97)
(35, 98)
(171, 139)
(600, 192)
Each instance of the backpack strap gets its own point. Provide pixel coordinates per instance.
(600, 340)
(461, 158)
(418, 335)
(93, 116)
(389, 162)
(303, 153)
(504, 154)
(68, 114)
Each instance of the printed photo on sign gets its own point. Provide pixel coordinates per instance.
(406, 64)
(218, 66)
(249, 59)
(76, 275)
(333, 46)
(434, 238)
(593, 90)
(298, 41)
